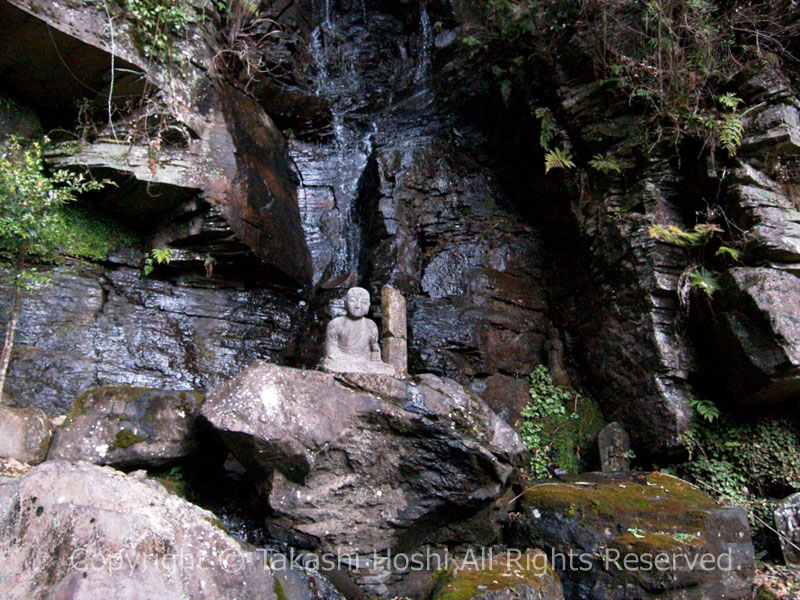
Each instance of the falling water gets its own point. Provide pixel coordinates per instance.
(426, 42)
(331, 168)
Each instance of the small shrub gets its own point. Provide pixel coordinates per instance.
(558, 426)
(745, 463)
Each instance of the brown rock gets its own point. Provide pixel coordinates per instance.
(24, 434)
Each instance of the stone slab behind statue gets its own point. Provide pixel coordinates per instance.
(360, 463)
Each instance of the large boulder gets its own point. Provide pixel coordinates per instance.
(127, 426)
(635, 535)
(361, 463)
(511, 575)
(24, 434)
(79, 531)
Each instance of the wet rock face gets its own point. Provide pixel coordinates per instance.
(594, 520)
(109, 326)
(361, 463)
(121, 537)
(127, 427)
(471, 270)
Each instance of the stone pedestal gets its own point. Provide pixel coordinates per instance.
(394, 330)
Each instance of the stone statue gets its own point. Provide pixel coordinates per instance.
(351, 342)
(555, 357)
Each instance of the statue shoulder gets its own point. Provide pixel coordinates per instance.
(336, 323)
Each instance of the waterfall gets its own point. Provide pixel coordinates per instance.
(426, 43)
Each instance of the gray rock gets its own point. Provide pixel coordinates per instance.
(614, 446)
(24, 434)
(362, 463)
(121, 537)
(126, 426)
(592, 523)
(787, 522)
(756, 333)
(112, 326)
(394, 330)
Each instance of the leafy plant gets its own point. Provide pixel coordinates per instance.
(705, 280)
(157, 256)
(29, 221)
(159, 21)
(547, 125)
(556, 424)
(558, 158)
(746, 463)
(606, 164)
(695, 276)
(731, 130)
(706, 409)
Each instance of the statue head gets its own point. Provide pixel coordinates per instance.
(357, 302)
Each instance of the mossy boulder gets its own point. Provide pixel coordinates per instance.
(636, 535)
(503, 576)
(127, 426)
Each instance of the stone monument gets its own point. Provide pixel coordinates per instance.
(351, 341)
(555, 357)
(394, 330)
(614, 445)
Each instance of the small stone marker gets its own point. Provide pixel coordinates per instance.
(787, 522)
(614, 445)
(394, 330)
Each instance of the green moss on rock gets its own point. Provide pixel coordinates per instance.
(646, 501)
(125, 439)
(502, 572)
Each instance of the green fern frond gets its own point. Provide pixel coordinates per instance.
(672, 234)
(728, 251)
(729, 100)
(548, 125)
(704, 279)
(705, 408)
(605, 164)
(731, 130)
(558, 158)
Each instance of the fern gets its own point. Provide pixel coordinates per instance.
(728, 251)
(731, 130)
(704, 279)
(558, 158)
(705, 408)
(157, 256)
(549, 127)
(729, 100)
(672, 234)
(605, 164)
